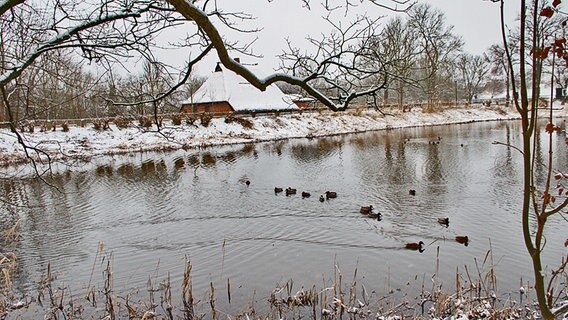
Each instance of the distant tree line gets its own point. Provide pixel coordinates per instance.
(425, 61)
(414, 58)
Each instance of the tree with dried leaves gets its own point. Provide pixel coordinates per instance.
(544, 193)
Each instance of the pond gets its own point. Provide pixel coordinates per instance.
(154, 210)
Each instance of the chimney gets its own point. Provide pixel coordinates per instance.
(238, 60)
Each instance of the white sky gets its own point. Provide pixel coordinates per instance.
(477, 21)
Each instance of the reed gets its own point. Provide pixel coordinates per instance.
(473, 295)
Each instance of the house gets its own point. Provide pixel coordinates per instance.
(302, 102)
(225, 91)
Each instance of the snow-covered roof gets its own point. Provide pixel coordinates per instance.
(225, 85)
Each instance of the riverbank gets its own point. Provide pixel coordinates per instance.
(85, 143)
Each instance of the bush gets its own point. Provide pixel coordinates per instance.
(122, 122)
(190, 120)
(145, 121)
(177, 118)
(245, 123)
(229, 118)
(101, 124)
(206, 119)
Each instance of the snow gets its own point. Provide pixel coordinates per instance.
(85, 143)
(225, 85)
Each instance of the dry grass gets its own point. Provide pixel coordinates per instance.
(342, 297)
(8, 261)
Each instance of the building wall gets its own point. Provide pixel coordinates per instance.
(302, 104)
(213, 107)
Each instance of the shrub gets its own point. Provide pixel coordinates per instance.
(101, 124)
(145, 121)
(190, 120)
(122, 122)
(229, 117)
(177, 118)
(44, 126)
(246, 123)
(206, 119)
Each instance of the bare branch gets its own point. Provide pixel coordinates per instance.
(191, 12)
(6, 5)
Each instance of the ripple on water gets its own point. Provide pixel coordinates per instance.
(153, 212)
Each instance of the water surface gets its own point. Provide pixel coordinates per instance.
(154, 210)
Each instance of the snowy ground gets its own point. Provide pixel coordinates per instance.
(87, 143)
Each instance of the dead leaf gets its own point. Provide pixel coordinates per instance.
(555, 3)
(549, 128)
(547, 12)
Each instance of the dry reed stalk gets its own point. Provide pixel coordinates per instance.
(91, 291)
(166, 298)
(187, 292)
(107, 290)
(11, 234)
(229, 290)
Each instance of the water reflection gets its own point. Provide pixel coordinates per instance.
(160, 207)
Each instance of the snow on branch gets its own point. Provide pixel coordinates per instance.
(337, 63)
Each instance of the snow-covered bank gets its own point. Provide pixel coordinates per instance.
(86, 142)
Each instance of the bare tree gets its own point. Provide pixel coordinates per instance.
(397, 49)
(473, 71)
(437, 46)
(498, 60)
(111, 32)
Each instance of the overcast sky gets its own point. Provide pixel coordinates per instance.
(477, 21)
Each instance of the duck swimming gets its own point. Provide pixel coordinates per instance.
(415, 246)
(290, 191)
(306, 194)
(377, 216)
(330, 194)
(463, 240)
(278, 190)
(366, 210)
(444, 221)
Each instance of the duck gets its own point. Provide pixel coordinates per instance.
(322, 199)
(278, 190)
(415, 246)
(330, 194)
(445, 221)
(306, 194)
(290, 191)
(377, 215)
(412, 192)
(463, 240)
(366, 210)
